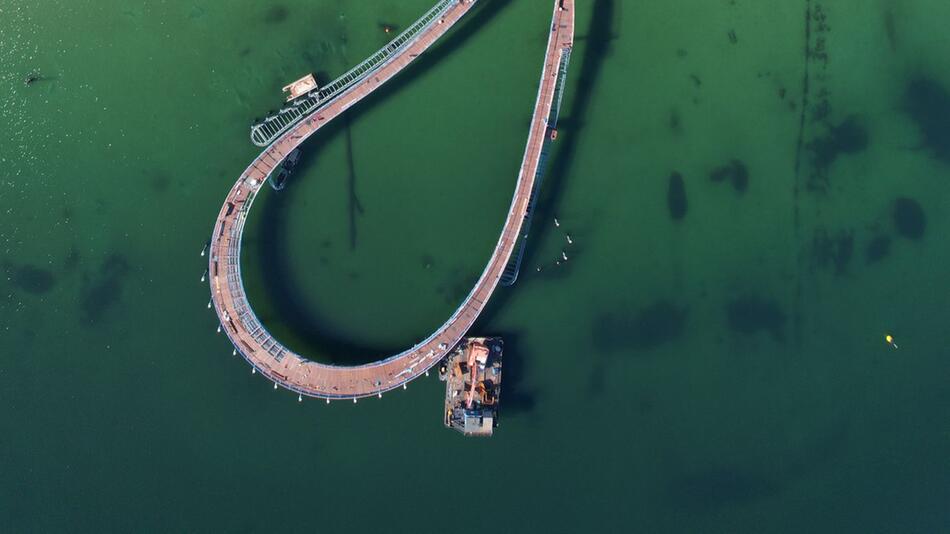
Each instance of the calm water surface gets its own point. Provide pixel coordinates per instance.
(755, 197)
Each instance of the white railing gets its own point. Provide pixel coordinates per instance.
(266, 132)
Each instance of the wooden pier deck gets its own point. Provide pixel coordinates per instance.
(296, 372)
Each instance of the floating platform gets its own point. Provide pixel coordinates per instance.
(301, 87)
(472, 376)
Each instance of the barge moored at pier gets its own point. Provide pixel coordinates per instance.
(472, 376)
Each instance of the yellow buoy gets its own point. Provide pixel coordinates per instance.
(890, 340)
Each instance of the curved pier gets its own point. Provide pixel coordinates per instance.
(270, 129)
(295, 372)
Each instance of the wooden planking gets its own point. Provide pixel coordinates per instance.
(295, 372)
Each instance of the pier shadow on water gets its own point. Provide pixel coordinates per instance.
(597, 47)
(356, 207)
(275, 256)
(516, 397)
(274, 252)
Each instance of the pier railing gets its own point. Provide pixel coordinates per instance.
(513, 268)
(245, 314)
(238, 320)
(266, 132)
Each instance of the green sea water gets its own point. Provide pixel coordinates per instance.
(723, 370)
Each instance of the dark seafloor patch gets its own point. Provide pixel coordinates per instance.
(833, 250)
(160, 182)
(676, 122)
(928, 104)
(734, 172)
(750, 314)
(30, 278)
(849, 137)
(877, 249)
(101, 292)
(676, 197)
(654, 325)
(276, 14)
(720, 487)
(890, 28)
(72, 259)
(909, 218)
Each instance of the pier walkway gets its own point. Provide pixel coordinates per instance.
(293, 371)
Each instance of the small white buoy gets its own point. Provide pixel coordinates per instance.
(234, 352)
(209, 304)
(204, 249)
(253, 370)
(219, 329)
(569, 240)
(275, 385)
(557, 222)
(564, 255)
(299, 398)
(204, 275)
